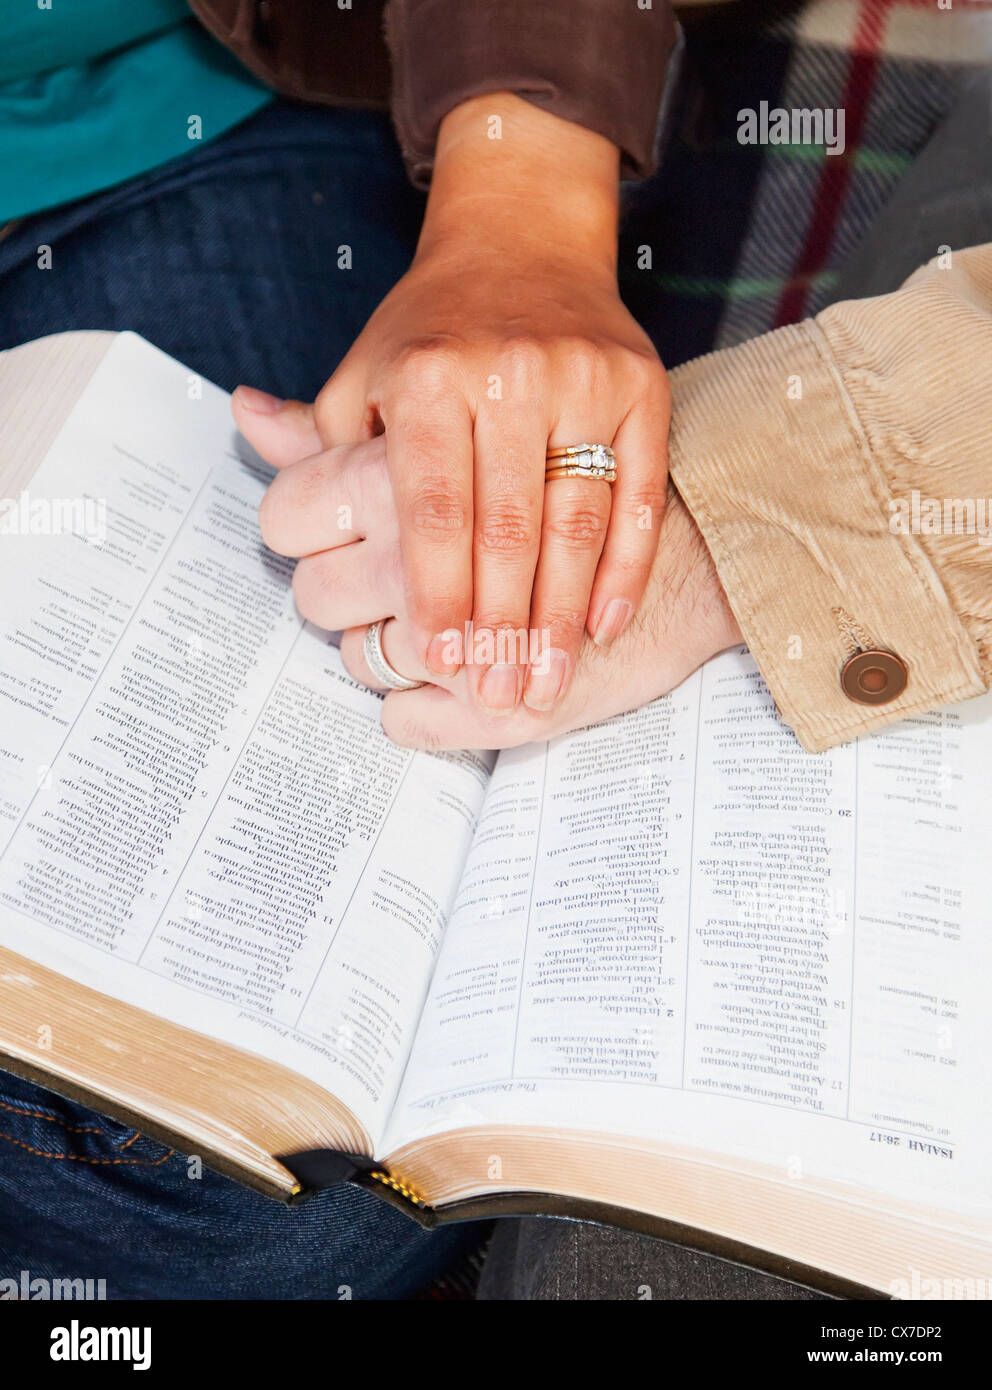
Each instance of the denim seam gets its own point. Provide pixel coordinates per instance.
(72, 1129)
(81, 1158)
(68, 1129)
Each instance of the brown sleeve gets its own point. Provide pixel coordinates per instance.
(599, 63)
(840, 471)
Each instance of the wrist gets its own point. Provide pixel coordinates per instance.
(696, 616)
(510, 177)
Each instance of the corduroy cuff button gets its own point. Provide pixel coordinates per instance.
(874, 678)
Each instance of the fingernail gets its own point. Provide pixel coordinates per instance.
(444, 653)
(258, 401)
(498, 689)
(545, 686)
(614, 619)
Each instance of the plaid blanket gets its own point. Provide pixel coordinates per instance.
(729, 240)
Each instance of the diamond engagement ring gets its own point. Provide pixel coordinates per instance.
(582, 461)
(378, 664)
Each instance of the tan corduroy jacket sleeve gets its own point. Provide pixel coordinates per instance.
(840, 471)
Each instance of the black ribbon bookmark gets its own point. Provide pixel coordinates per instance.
(316, 1169)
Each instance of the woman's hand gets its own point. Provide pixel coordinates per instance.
(683, 620)
(506, 337)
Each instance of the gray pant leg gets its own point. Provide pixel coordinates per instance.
(546, 1260)
(945, 199)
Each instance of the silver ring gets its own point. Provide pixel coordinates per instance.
(377, 663)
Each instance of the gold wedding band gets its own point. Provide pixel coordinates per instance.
(581, 461)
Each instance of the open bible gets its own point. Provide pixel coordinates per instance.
(670, 971)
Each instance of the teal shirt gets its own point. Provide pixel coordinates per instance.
(93, 92)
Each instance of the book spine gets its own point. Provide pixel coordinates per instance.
(380, 1175)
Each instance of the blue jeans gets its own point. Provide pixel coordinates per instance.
(228, 260)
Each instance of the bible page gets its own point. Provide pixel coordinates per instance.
(199, 812)
(681, 926)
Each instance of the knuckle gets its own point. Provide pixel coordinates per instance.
(499, 622)
(521, 361)
(437, 508)
(409, 733)
(652, 495)
(269, 521)
(508, 639)
(425, 366)
(312, 589)
(309, 484)
(587, 363)
(646, 372)
(581, 528)
(630, 575)
(293, 493)
(505, 528)
(579, 347)
(563, 625)
(303, 586)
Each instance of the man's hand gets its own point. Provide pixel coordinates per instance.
(506, 337)
(683, 620)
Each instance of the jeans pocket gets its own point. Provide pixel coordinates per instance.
(44, 1125)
